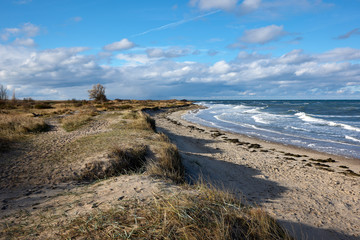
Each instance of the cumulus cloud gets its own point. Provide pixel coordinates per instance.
(220, 67)
(245, 7)
(355, 31)
(167, 53)
(214, 4)
(249, 57)
(133, 59)
(27, 30)
(64, 73)
(124, 44)
(27, 42)
(51, 67)
(340, 54)
(263, 35)
(248, 6)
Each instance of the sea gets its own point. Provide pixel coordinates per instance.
(330, 126)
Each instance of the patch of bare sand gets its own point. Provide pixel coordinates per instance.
(312, 200)
(48, 208)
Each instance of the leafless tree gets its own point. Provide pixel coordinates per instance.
(3, 93)
(97, 93)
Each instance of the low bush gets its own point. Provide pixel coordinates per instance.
(42, 106)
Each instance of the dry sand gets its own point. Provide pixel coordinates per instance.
(36, 189)
(312, 199)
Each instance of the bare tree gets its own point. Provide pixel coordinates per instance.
(97, 93)
(3, 93)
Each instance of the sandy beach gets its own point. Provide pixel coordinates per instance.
(314, 195)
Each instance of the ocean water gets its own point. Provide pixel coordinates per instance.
(326, 126)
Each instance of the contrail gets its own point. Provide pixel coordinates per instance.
(175, 24)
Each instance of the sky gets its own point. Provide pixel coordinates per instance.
(189, 49)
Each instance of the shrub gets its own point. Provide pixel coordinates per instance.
(42, 106)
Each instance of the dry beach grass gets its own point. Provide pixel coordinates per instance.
(111, 176)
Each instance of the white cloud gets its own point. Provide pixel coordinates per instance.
(220, 68)
(295, 57)
(340, 54)
(263, 35)
(133, 59)
(27, 42)
(214, 4)
(249, 57)
(69, 72)
(167, 53)
(124, 44)
(27, 30)
(248, 6)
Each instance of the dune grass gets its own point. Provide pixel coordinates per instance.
(196, 212)
(77, 120)
(203, 213)
(121, 161)
(15, 126)
(168, 164)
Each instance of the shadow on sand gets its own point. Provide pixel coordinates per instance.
(245, 182)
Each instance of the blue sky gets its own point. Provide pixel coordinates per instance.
(194, 49)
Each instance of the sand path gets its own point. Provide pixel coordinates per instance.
(312, 201)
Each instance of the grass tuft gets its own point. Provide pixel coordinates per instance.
(121, 160)
(168, 164)
(141, 121)
(206, 214)
(15, 126)
(76, 121)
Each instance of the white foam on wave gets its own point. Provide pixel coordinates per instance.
(259, 119)
(352, 138)
(300, 129)
(306, 118)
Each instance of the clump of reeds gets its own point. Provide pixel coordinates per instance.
(206, 214)
(141, 121)
(168, 164)
(121, 160)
